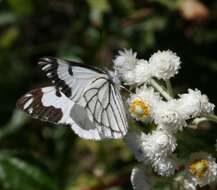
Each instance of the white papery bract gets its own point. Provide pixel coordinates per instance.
(167, 116)
(139, 179)
(194, 104)
(153, 149)
(124, 65)
(172, 115)
(128, 77)
(139, 73)
(143, 102)
(201, 169)
(125, 61)
(165, 166)
(165, 64)
(142, 72)
(159, 145)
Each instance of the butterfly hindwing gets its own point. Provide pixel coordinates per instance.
(49, 104)
(46, 104)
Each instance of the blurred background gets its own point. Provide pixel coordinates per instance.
(38, 156)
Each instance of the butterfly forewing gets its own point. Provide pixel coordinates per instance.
(70, 77)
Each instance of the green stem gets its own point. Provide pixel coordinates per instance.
(160, 89)
(211, 117)
(169, 88)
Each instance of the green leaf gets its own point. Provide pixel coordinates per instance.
(8, 37)
(7, 18)
(162, 186)
(124, 7)
(172, 5)
(17, 121)
(17, 174)
(22, 7)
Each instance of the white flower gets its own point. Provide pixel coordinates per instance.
(125, 61)
(140, 180)
(206, 106)
(142, 71)
(194, 104)
(201, 169)
(142, 104)
(125, 64)
(128, 77)
(139, 72)
(165, 167)
(167, 116)
(165, 64)
(159, 145)
(152, 147)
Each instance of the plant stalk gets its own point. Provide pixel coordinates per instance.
(160, 89)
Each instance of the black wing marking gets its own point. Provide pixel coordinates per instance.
(70, 77)
(33, 104)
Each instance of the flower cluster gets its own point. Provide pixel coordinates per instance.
(153, 103)
(201, 169)
(161, 65)
(153, 149)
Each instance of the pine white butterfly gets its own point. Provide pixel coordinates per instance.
(86, 98)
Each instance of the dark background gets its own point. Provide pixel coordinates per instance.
(38, 156)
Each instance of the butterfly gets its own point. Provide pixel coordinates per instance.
(86, 98)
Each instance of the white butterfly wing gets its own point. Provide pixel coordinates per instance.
(104, 107)
(50, 104)
(83, 97)
(70, 77)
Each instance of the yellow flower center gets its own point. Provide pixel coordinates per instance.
(199, 168)
(139, 109)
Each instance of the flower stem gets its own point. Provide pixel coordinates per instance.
(169, 88)
(160, 89)
(211, 117)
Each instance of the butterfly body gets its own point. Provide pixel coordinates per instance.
(86, 98)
